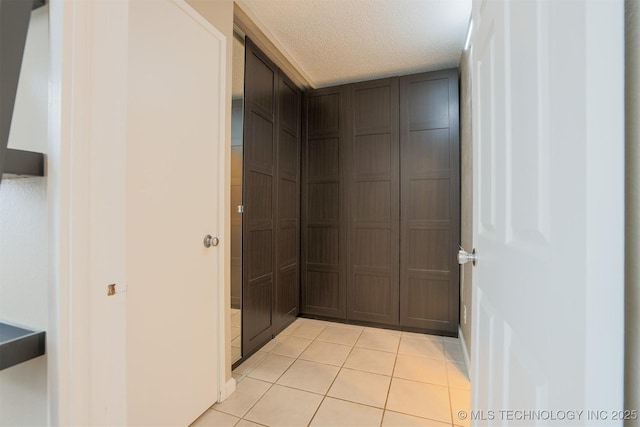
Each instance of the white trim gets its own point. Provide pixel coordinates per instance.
(467, 43)
(200, 20)
(244, 7)
(228, 389)
(70, 29)
(465, 351)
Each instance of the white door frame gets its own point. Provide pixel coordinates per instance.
(86, 195)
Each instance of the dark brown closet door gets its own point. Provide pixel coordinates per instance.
(260, 156)
(287, 251)
(373, 204)
(430, 195)
(324, 223)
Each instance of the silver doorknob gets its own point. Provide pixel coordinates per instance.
(210, 241)
(464, 257)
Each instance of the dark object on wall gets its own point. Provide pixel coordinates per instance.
(271, 200)
(381, 204)
(14, 24)
(20, 162)
(18, 345)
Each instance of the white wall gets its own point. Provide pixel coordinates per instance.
(23, 236)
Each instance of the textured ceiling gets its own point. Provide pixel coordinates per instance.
(341, 41)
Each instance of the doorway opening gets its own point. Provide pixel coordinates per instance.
(237, 152)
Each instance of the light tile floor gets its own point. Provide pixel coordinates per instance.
(324, 374)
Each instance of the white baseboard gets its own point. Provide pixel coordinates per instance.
(465, 351)
(227, 390)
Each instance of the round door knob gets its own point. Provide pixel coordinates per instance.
(210, 241)
(464, 257)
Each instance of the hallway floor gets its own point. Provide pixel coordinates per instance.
(318, 373)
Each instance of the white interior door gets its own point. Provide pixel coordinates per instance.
(175, 143)
(548, 209)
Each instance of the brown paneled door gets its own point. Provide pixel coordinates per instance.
(287, 238)
(260, 156)
(324, 230)
(430, 195)
(373, 203)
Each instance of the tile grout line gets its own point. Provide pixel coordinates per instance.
(446, 367)
(334, 379)
(294, 361)
(266, 391)
(395, 361)
(342, 367)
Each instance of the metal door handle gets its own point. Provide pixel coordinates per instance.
(210, 241)
(464, 256)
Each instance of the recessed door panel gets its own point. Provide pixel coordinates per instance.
(323, 275)
(373, 201)
(430, 210)
(260, 198)
(287, 216)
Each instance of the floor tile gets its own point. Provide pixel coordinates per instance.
(421, 369)
(339, 335)
(252, 361)
(457, 374)
(395, 419)
(419, 399)
(453, 352)
(316, 322)
(419, 336)
(326, 352)
(375, 361)
(338, 413)
(308, 330)
(384, 331)
(247, 423)
(460, 401)
(291, 346)
(247, 393)
(451, 339)
(292, 327)
(378, 341)
(309, 376)
(422, 348)
(215, 418)
(271, 368)
(271, 345)
(360, 387)
(284, 406)
(347, 326)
